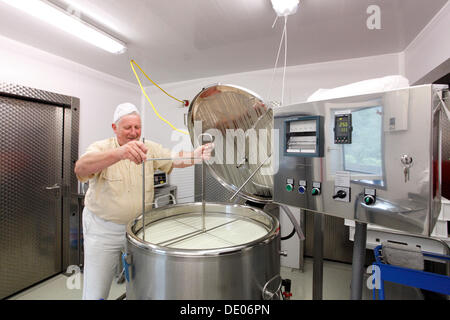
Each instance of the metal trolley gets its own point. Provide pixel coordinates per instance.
(410, 277)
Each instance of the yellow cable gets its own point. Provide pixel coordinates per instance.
(132, 61)
(151, 103)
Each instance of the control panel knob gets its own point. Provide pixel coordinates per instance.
(368, 199)
(301, 189)
(341, 194)
(289, 187)
(315, 191)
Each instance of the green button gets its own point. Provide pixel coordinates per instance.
(289, 187)
(314, 192)
(369, 200)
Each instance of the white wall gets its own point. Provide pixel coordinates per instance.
(99, 93)
(429, 50)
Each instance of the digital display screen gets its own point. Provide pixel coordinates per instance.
(343, 128)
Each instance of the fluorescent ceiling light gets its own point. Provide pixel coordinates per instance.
(57, 17)
(285, 7)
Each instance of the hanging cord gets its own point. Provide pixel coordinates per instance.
(285, 59)
(151, 103)
(283, 37)
(276, 62)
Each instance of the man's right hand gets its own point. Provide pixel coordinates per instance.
(135, 151)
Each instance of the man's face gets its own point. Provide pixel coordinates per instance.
(128, 129)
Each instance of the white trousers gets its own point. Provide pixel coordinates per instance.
(103, 243)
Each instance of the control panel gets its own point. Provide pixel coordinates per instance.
(303, 149)
(308, 143)
(303, 136)
(364, 157)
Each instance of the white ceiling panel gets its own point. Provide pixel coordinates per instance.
(175, 40)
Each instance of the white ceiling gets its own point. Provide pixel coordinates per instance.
(175, 40)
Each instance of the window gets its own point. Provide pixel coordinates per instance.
(364, 154)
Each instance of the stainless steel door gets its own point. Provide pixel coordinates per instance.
(31, 171)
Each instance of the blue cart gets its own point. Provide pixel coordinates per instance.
(410, 277)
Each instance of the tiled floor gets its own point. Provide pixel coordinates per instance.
(336, 280)
(336, 283)
(57, 288)
(336, 286)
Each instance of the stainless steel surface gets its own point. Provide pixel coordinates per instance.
(143, 194)
(227, 113)
(214, 190)
(165, 195)
(249, 178)
(445, 124)
(336, 243)
(27, 93)
(38, 129)
(386, 126)
(302, 243)
(172, 158)
(203, 189)
(77, 221)
(72, 246)
(54, 187)
(203, 195)
(169, 195)
(235, 272)
(317, 286)
(445, 132)
(30, 216)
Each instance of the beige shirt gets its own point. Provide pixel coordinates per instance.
(115, 193)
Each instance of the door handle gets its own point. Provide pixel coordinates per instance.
(53, 187)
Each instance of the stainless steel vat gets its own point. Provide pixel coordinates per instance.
(169, 270)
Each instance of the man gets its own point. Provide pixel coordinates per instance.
(114, 170)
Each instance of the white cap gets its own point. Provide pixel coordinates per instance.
(124, 109)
